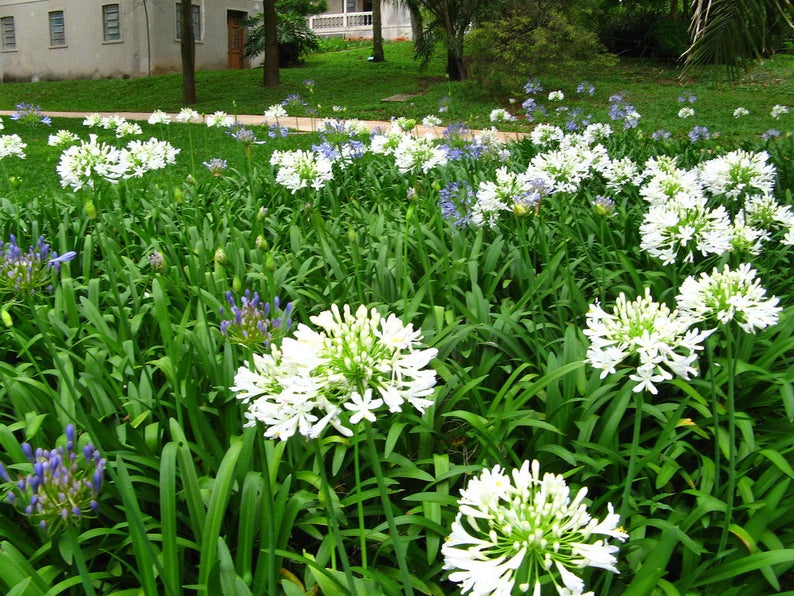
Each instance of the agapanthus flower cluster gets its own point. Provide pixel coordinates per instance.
(566, 167)
(516, 532)
(159, 117)
(61, 138)
(684, 228)
(621, 110)
(699, 133)
(412, 155)
(643, 334)
(728, 295)
(275, 112)
(337, 375)
(28, 113)
(737, 173)
(25, 273)
(12, 145)
(82, 165)
(501, 115)
(456, 200)
(219, 119)
(255, 323)
(343, 140)
(63, 488)
(188, 115)
(778, 110)
(140, 157)
(216, 166)
(520, 193)
(243, 135)
(301, 169)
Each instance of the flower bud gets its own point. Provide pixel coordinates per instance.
(237, 284)
(179, 195)
(90, 210)
(270, 263)
(220, 257)
(6, 318)
(261, 242)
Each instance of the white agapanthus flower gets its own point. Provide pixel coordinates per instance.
(188, 115)
(686, 112)
(275, 112)
(128, 129)
(565, 168)
(544, 135)
(596, 132)
(412, 155)
(386, 142)
(219, 119)
(431, 121)
(301, 169)
(12, 145)
(738, 172)
(92, 120)
(646, 335)
(684, 227)
(344, 371)
(514, 530)
(665, 181)
(140, 157)
(556, 95)
(501, 115)
(746, 238)
(511, 191)
(620, 173)
(728, 295)
(778, 110)
(741, 111)
(62, 137)
(788, 237)
(764, 211)
(81, 165)
(159, 117)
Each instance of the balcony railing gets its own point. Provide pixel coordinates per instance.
(340, 23)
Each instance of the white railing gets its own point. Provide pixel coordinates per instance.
(340, 23)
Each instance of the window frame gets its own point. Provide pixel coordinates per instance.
(8, 33)
(197, 28)
(111, 28)
(57, 37)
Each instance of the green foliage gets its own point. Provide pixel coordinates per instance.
(295, 39)
(197, 502)
(508, 51)
(643, 30)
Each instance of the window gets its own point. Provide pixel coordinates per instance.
(57, 29)
(196, 21)
(8, 32)
(111, 24)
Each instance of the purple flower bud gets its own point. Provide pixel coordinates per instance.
(69, 427)
(3, 474)
(28, 451)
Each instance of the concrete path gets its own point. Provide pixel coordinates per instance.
(299, 124)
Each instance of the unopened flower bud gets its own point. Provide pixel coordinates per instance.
(6, 318)
(90, 210)
(352, 237)
(261, 242)
(220, 257)
(179, 195)
(237, 284)
(270, 263)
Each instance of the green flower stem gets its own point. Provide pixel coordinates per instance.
(339, 544)
(70, 535)
(633, 456)
(730, 407)
(715, 413)
(399, 546)
(362, 534)
(272, 572)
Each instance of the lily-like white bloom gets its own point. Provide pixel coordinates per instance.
(12, 145)
(513, 529)
(188, 115)
(738, 172)
(645, 334)
(412, 154)
(159, 117)
(301, 169)
(337, 373)
(728, 295)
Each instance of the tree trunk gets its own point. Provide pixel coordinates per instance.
(377, 33)
(457, 69)
(417, 25)
(188, 47)
(271, 75)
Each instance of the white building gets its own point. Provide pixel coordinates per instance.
(66, 39)
(72, 39)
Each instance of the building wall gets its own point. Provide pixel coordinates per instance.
(148, 44)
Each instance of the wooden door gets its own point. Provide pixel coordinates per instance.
(235, 37)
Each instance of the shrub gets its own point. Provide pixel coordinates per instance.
(505, 52)
(643, 31)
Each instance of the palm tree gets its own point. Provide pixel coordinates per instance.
(733, 32)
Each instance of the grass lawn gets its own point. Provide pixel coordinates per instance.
(345, 78)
